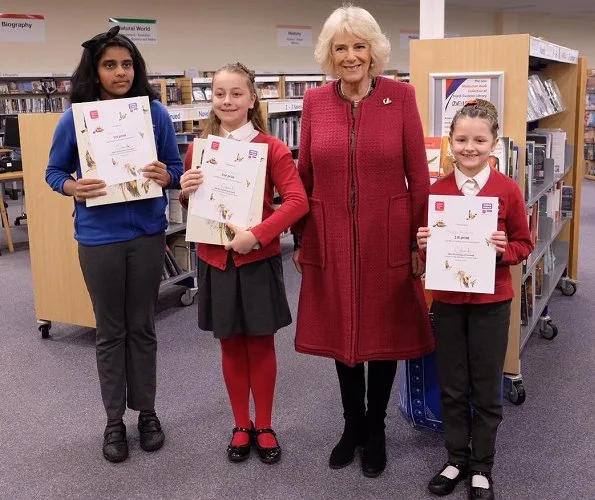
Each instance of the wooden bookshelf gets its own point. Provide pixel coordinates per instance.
(512, 54)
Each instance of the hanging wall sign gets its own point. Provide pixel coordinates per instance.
(138, 30)
(292, 36)
(22, 28)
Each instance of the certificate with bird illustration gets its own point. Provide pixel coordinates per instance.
(228, 194)
(460, 256)
(115, 141)
(230, 169)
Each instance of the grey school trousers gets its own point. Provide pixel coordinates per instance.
(123, 282)
(471, 341)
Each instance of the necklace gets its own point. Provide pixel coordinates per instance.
(355, 101)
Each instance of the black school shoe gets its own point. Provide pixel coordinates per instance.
(242, 452)
(115, 446)
(482, 493)
(441, 485)
(267, 455)
(151, 435)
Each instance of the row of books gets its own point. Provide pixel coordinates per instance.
(268, 90)
(555, 205)
(170, 266)
(202, 93)
(298, 89)
(286, 128)
(11, 106)
(42, 86)
(544, 98)
(533, 287)
(174, 95)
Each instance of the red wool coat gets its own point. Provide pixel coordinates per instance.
(359, 300)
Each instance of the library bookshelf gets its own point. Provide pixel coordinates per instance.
(518, 56)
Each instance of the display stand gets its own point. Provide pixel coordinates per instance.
(514, 55)
(59, 290)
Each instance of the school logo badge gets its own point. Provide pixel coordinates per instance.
(215, 146)
(94, 114)
(439, 206)
(486, 208)
(252, 154)
(133, 106)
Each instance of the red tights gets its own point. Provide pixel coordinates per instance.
(249, 363)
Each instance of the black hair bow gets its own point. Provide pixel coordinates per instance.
(97, 40)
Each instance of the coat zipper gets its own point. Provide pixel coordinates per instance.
(354, 226)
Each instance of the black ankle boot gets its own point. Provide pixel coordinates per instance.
(374, 454)
(343, 453)
(352, 383)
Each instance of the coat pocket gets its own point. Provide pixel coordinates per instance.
(313, 248)
(399, 230)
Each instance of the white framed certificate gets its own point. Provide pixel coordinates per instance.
(213, 230)
(115, 141)
(459, 256)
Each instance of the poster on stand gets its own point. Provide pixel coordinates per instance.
(450, 91)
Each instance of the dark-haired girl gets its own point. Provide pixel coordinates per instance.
(121, 246)
(472, 328)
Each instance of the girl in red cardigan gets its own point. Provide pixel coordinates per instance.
(472, 329)
(241, 295)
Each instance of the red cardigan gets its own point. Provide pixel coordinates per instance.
(281, 174)
(512, 219)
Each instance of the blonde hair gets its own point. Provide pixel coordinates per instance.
(357, 22)
(478, 108)
(213, 125)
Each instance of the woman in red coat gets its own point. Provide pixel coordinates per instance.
(363, 164)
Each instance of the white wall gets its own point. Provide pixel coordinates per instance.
(206, 34)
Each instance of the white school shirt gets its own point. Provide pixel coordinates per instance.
(470, 186)
(246, 132)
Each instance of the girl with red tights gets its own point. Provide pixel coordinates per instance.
(241, 295)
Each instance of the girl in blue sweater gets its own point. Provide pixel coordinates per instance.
(121, 246)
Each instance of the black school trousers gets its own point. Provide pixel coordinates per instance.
(471, 341)
(123, 282)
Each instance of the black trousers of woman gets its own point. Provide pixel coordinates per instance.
(123, 282)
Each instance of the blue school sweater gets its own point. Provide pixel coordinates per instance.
(117, 222)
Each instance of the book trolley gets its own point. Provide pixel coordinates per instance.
(59, 290)
(517, 57)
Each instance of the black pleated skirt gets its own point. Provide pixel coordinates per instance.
(249, 299)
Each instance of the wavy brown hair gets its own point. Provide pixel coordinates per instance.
(213, 125)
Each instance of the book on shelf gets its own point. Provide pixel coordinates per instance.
(555, 147)
(533, 222)
(433, 148)
(539, 271)
(286, 128)
(198, 94)
(567, 201)
(544, 98)
(298, 89)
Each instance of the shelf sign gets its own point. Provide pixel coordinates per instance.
(22, 28)
(292, 35)
(285, 106)
(138, 30)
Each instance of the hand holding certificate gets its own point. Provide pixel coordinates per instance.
(115, 143)
(460, 256)
(231, 192)
(230, 168)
